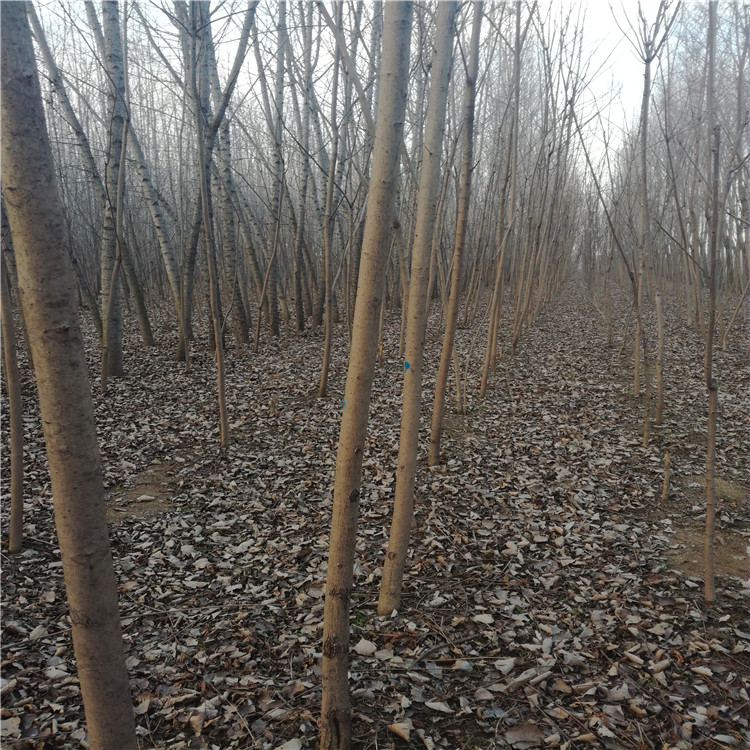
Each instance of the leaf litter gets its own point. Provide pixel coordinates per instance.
(539, 607)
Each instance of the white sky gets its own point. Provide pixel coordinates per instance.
(605, 22)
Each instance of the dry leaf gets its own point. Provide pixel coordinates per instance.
(365, 647)
(402, 729)
(524, 733)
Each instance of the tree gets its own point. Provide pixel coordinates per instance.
(711, 383)
(15, 415)
(506, 207)
(48, 297)
(328, 226)
(403, 504)
(649, 44)
(336, 708)
(112, 356)
(462, 221)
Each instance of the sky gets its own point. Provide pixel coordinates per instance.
(615, 66)
(604, 35)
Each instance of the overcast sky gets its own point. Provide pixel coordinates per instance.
(604, 27)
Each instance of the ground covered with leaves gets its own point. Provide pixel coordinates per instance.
(552, 598)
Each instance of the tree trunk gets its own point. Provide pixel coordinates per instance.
(328, 222)
(45, 276)
(711, 383)
(462, 222)
(199, 84)
(226, 205)
(506, 209)
(659, 366)
(278, 131)
(117, 117)
(299, 265)
(645, 248)
(15, 417)
(336, 719)
(429, 187)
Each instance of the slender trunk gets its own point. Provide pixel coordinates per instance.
(278, 131)
(15, 414)
(711, 382)
(329, 219)
(161, 226)
(336, 719)
(403, 507)
(226, 206)
(199, 73)
(267, 281)
(646, 252)
(461, 225)
(299, 306)
(658, 416)
(328, 222)
(187, 285)
(117, 118)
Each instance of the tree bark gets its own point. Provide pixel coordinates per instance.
(462, 222)
(15, 416)
(403, 508)
(48, 298)
(506, 211)
(117, 116)
(205, 138)
(709, 589)
(336, 719)
(328, 226)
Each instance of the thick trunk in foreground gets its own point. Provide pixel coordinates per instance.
(48, 297)
(429, 187)
(336, 718)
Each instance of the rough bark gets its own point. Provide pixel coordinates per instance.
(48, 297)
(117, 115)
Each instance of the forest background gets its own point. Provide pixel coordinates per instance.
(297, 232)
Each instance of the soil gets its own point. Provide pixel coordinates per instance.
(732, 543)
(147, 495)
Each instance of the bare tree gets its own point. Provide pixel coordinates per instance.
(467, 164)
(711, 382)
(15, 415)
(403, 504)
(44, 275)
(329, 219)
(336, 709)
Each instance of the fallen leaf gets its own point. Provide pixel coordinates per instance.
(365, 647)
(402, 729)
(524, 733)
